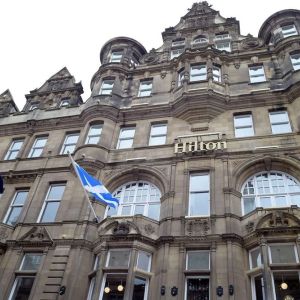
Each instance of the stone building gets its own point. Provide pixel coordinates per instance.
(198, 139)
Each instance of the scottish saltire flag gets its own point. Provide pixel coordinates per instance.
(95, 187)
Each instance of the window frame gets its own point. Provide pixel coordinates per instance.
(152, 136)
(197, 277)
(200, 40)
(106, 91)
(120, 138)
(200, 192)
(89, 135)
(46, 201)
(12, 206)
(64, 145)
(176, 52)
(198, 251)
(217, 77)
(10, 149)
(33, 107)
(118, 250)
(254, 78)
(236, 127)
(198, 74)
(250, 258)
(34, 148)
(296, 63)
(64, 103)
(278, 112)
(283, 244)
(288, 32)
(149, 262)
(147, 90)
(178, 43)
(180, 77)
(115, 52)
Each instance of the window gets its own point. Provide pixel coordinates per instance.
(178, 43)
(64, 103)
(140, 288)
(199, 202)
(243, 125)
(116, 56)
(15, 207)
(138, 197)
(23, 283)
(126, 138)
(283, 254)
(145, 88)
(106, 87)
(257, 74)
(222, 36)
(51, 203)
(200, 40)
(69, 143)
(158, 134)
(295, 59)
(94, 134)
(180, 77)
(280, 122)
(93, 279)
(198, 72)
(288, 30)
(257, 283)
(224, 46)
(176, 52)
(114, 287)
(144, 261)
(198, 260)
(291, 280)
(14, 149)
(38, 146)
(255, 258)
(118, 258)
(216, 73)
(33, 107)
(270, 189)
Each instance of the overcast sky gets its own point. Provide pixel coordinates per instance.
(40, 37)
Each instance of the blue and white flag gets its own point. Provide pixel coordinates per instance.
(95, 187)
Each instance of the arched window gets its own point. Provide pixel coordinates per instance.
(137, 197)
(270, 189)
(200, 40)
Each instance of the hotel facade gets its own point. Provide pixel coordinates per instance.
(198, 139)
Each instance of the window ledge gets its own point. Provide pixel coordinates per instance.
(283, 266)
(197, 217)
(255, 271)
(196, 272)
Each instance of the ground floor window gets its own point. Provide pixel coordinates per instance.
(286, 285)
(22, 288)
(197, 288)
(114, 287)
(140, 288)
(258, 288)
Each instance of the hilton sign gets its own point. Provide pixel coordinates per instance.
(197, 143)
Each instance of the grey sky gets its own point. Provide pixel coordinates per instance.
(38, 38)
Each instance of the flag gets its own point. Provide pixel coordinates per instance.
(95, 187)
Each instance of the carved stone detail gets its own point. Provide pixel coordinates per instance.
(3, 234)
(36, 235)
(198, 227)
(122, 228)
(249, 226)
(149, 229)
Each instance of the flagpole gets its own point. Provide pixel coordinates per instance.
(84, 190)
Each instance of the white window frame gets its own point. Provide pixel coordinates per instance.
(46, 201)
(120, 139)
(176, 52)
(285, 122)
(295, 60)
(257, 77)
(196, 277)
(236, 127)
(34, 147)
(200, 74)
(33, 107)
(146, 285)
(217, 74)
(178, 43)
(65, 144)
(64, 103)
(163, 126)
(257, 196)
(118, 250)
(223, 46)
(253, 291)
(116, 56)
(200, 41)
(197, 251)
(250, 257)
(12, 205)
(10, 151)
(107, 87)
(146, 203)
(283, 244)
(286, 32)
(90, 135)
(180, 77)
(93, 279)
(145, 88)
(149, 262)
(104, 280)
(222, 37)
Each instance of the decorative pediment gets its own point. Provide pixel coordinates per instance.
(278, 219)
(36, 236)
(7, 104)
(120, 228)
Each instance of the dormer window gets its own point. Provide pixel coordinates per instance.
(295, 59)
(64, 103)
(200, 40)
(116, 56)
(176, 52)
(178, 43)
(288, 30)
(222, 36)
